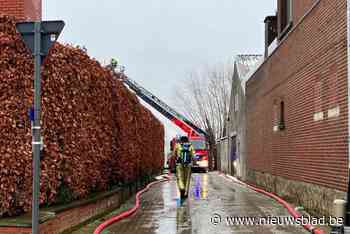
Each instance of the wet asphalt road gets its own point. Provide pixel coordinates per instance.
(210, 194)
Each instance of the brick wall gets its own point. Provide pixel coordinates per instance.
(308, 72)
(70, 218)
(27, 9)
(300, 8)
(73, 217)
(83, 211)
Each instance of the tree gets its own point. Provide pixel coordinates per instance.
(204, 97)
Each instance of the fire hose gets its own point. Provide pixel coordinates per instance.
(290, 208)
(130, 211)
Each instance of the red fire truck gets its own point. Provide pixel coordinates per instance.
(200, 162)
(201, 149)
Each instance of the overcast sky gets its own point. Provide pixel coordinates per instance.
(160, 41)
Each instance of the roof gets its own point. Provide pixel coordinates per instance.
(246, 65)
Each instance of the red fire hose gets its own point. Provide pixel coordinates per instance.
(290, 209)
(128, 212)
(131, 211)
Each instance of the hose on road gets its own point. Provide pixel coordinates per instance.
(290, 208)
(131, 211)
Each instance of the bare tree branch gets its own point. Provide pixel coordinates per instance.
(204, 97)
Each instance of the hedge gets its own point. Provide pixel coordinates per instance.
(96, 133)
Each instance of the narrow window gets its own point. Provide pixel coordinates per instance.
(281, 124)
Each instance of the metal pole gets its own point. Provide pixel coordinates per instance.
(36, 144)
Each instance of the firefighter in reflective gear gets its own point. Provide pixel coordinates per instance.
(184, 155)
(114, 63)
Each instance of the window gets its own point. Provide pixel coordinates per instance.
(285, 17)
(281, 124)
(198, 144)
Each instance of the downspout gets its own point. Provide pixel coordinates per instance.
(348, 84)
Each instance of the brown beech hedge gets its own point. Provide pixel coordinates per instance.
(96, 133)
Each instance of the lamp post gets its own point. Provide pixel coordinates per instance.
(38, 36)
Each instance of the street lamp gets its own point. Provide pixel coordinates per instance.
(38, 36)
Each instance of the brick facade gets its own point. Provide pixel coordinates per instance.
(308, 73)
(26, 9)
(300, 8)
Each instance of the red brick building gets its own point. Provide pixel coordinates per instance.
(27, 9)
(297, 113)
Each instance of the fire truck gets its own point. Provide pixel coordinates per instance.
(200, 146)
(195, 134)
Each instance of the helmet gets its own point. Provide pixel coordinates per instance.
(184, 139)
(114, 62)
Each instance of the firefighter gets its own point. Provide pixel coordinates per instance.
(184, 154)
(114, 63)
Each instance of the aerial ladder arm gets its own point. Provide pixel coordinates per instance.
(178, 119)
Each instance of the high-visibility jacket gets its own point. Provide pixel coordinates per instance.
(114, 63)
(184, 150)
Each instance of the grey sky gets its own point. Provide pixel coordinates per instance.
(160, 41)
